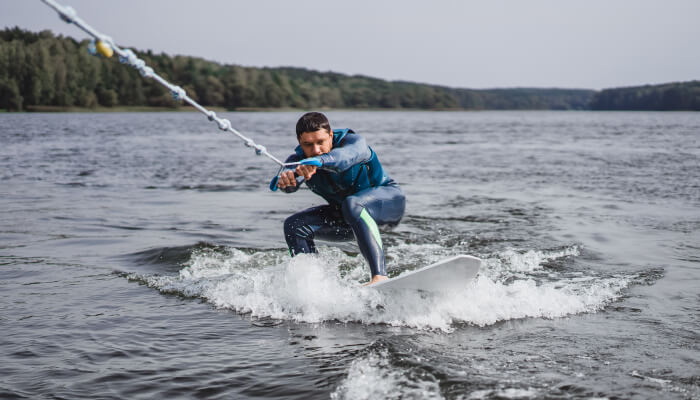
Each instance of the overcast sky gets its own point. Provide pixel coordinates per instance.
(474, 44)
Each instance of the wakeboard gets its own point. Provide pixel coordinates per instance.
(447, 275)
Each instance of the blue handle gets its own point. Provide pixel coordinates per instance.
(273, 183)
(315, 161)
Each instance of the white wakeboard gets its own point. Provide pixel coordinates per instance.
(447, 275)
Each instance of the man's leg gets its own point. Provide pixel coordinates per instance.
(364, 211)
(324, 222)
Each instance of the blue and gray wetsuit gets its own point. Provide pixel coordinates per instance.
(360, 197)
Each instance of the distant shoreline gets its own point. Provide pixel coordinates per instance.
(56, 74)
(73, 109)
(61, 109)
(186, 109)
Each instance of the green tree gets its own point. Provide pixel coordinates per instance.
(107, 97)
(10, 98)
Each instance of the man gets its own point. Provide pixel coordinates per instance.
(340, 167)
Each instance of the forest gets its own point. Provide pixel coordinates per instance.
(679, 96)
(39, 71)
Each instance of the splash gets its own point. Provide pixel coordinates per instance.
(510, 393)
(530, 260)
(317, 288)
(372, 377)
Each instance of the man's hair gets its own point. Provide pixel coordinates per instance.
(311, 122)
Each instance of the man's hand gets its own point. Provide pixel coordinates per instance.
(307, 171)
(286, 178)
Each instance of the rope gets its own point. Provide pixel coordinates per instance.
(126, 56)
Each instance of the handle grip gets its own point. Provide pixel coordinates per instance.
(315, 161)
(311, 161)
(273, 183)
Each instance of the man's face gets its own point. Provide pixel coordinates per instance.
(316, 143)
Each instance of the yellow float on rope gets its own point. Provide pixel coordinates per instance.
(104, 49)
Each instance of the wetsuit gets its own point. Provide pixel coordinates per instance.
(360, 198)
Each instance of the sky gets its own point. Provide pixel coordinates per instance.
(591, 44)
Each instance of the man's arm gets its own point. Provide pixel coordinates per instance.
(354, 150)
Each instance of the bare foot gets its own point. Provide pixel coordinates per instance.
(375, 279)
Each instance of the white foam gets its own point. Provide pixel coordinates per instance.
(372, 377)
(509, 393)
(312, 288)
(529, 261)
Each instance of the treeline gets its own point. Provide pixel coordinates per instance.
(667, 97)
(41, 69)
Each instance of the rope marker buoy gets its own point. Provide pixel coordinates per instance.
(104, 49)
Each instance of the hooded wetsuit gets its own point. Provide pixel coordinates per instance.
(360, 198)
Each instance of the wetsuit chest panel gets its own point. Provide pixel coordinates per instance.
(336, 186)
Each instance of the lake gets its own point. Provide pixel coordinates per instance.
(142, 256)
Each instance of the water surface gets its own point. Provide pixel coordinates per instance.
(142, 256)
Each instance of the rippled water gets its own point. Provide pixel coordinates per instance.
(142, 256)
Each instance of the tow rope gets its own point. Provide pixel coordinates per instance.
(105, 46)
